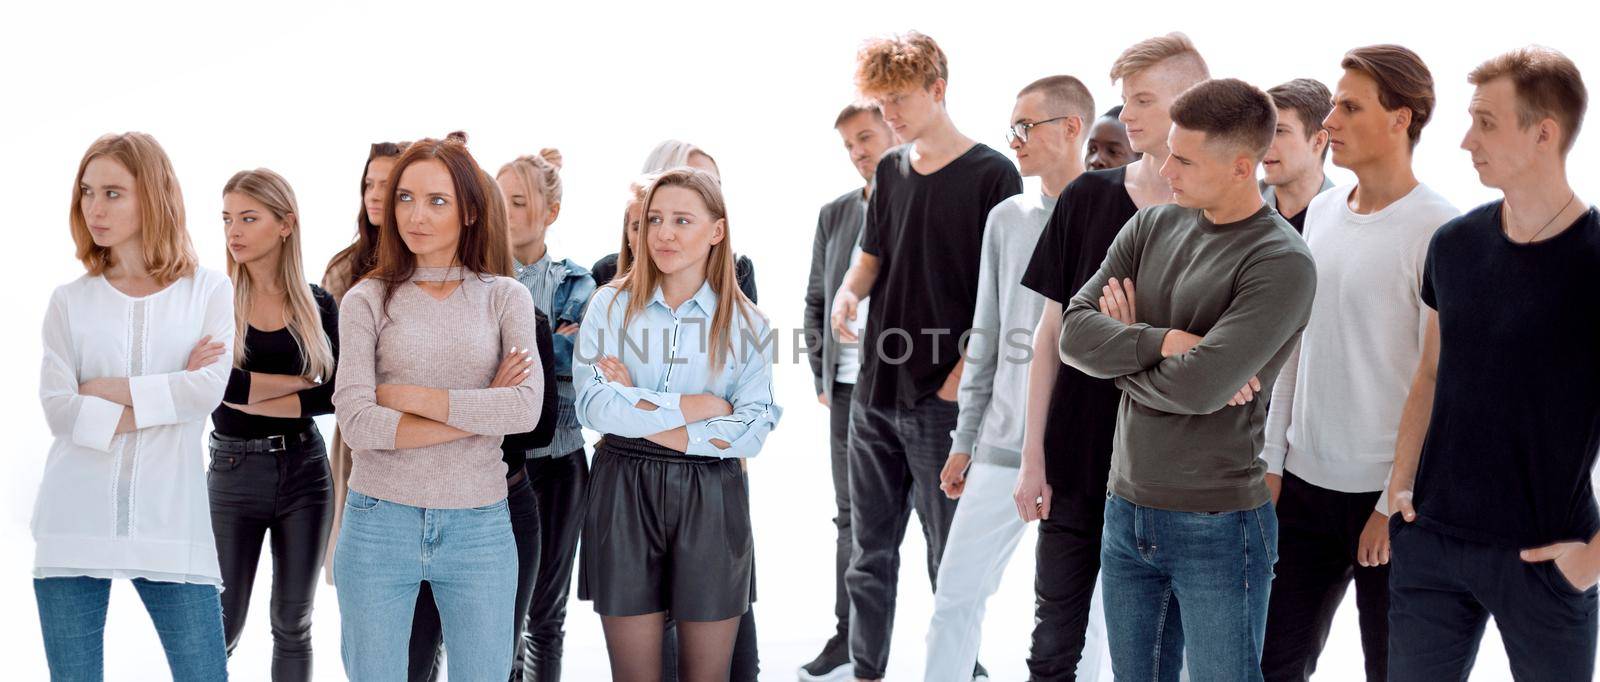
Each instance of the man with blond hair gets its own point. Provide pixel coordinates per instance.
(1491, 481)
(919, 263)
(1071, 416)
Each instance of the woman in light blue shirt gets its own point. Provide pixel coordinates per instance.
(674, 365)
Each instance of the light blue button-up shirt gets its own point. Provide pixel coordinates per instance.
(666, 353)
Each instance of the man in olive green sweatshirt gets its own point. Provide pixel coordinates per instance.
(1224, 287)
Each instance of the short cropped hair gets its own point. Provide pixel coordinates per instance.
(1113, 112)
(898, 63)
(855, 109)
(1067, 96)
(1547, 84)
(1152, 51)
(1403, 81)
(1231, 111)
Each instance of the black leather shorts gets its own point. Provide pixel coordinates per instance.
(665, 531)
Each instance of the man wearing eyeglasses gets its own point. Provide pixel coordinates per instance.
(919, 263)
(1049, 123)
(1071, 416)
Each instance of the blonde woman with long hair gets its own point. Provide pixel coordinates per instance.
(677, 421)
(132, 365)
(558, 472)
(269, 465)
(668, 155)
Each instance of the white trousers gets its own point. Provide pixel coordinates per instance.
(982, 539)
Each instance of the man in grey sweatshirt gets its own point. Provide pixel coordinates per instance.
(1224, 289)
(1048, 126)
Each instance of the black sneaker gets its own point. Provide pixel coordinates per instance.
(832, 664)
(979, 673)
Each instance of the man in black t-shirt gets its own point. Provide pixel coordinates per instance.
(1066, 456)
(1292, 171)
(1498, 438)
(919, 260)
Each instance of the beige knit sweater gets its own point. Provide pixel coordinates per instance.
(455, 344)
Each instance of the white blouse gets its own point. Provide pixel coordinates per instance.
(130, 505)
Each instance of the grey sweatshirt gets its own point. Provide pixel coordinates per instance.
(994, 385)
(1246, 287)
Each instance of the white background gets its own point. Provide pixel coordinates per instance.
(302, 88)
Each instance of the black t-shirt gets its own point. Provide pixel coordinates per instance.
(1516, 411)
(927, 233)
(1082, 416)
(276, 352)
(514, 448)
(1298, 220)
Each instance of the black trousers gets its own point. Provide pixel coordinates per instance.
(290, 493)
(1319, 531)
(427, 633)
(1443, 590)
(839, 454)
(1067, 562)
(558, 486)
(896, 455)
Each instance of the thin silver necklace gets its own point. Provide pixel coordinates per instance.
(1505, 224)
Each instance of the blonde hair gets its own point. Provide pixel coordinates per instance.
(899, 63)
(538, 173)
(168, 252)
(304, 319)
(1152, 51)
(672, 154)
(636, 192)
(642, 280)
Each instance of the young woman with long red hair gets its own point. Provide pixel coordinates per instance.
(437, 366)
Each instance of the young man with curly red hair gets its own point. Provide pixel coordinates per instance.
(919, 263)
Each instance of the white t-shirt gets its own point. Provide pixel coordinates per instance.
(848, 366)
(1336, 406)
(130, 505)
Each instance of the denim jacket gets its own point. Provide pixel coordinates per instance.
(570, 286)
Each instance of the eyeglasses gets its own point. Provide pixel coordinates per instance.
(1019, 131)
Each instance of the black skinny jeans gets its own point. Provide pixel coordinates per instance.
(558, 484)
(290, 493)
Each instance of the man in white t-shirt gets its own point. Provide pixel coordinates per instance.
(1336, 406)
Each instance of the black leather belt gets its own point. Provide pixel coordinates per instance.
(270, 444)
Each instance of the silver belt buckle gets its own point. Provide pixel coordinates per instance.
(277, 443)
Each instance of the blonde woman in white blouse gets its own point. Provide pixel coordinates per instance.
(131, 370)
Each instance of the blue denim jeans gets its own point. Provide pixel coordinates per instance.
(1183, 580)
(467, 556)
(188, 618)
